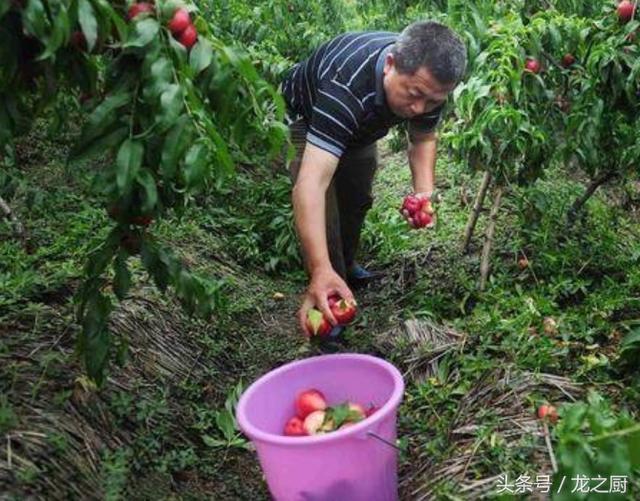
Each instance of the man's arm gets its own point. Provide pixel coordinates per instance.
(316, 171)
(422, 160)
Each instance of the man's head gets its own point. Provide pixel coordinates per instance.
(424, 65)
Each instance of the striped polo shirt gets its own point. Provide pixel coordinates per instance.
(338, 92)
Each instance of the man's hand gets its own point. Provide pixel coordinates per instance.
(324, 283)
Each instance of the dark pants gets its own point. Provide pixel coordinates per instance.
(347, 200)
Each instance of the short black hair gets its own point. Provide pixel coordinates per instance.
(433, 46)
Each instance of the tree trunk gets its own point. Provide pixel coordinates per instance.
(475, 213)
(488, 242)
(593, 186)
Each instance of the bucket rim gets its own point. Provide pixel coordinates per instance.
(255, 433)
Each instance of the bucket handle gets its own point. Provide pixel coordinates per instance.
(383, 440)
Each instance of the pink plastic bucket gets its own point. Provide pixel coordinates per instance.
(349, 464)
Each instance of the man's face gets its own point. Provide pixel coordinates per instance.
(411, 95)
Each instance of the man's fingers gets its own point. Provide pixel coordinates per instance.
(326, 311)
(307, 304)
(302, 320)
(345, 293)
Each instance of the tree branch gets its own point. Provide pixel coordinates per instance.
(488, 242)
(475, 213)
(593, 186)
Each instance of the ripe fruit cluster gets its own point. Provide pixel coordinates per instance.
(625, 12)
(315, 417)
(418, 210)
(180, 23)
(344, 311)
(182, 28)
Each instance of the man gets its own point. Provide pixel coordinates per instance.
(345, 97)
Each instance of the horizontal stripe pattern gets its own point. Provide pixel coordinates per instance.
(334, 91)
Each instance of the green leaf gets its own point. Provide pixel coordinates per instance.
(175, 144)
(630, 347)
(4, 8)
(34, 18)
(201, 55)
(105, 114)
(99, 144)
(100, 259)
(148, 183)
(222, 152)
(88, 23)
(128, 163)
(95, 339)
(225, 422)
(145, 31)
(155, 262)
(110, 14)
(122, 278)
(171, 102)
(59, 34)
(633, 443)
(342, 413)
(161, 73)
(196, 166)
(213, 442)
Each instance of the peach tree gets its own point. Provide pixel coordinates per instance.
(553, 86)
(604, 92)
(168, 102)
(500, 115)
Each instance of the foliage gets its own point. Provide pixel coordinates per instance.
(595, 442)
(173, 118)
(302, 26)
(169, 124)
(260, 222)
(226, 423)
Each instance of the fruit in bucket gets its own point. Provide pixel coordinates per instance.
(315, 417)
(295, 427)
(310, 401)
(357, 409)
(314, 422)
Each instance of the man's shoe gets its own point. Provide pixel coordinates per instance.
(336, 331)
(357, 276)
